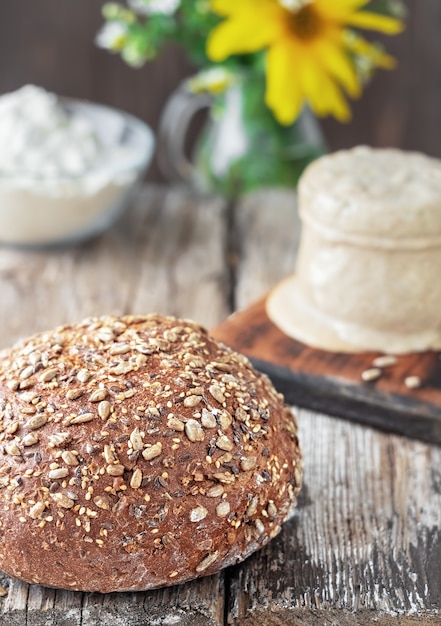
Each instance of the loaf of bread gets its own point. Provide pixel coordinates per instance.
(137, 452)
(367, 272)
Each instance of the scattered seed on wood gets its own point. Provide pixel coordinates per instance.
(412, 382)
(385, 360)
(371, 374)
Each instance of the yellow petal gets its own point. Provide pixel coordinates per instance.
(321, 91)
(385, 61)
(229, 7)
(331, 55)
(283, 93)
(338, 10)
(245, 33)
(373, 21)
(360, 46)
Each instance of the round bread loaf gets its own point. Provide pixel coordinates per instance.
(138, 452)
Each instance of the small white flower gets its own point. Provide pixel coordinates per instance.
(112, 36)
(150, 7)
(215, 80)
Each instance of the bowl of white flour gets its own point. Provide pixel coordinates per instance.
(68, 168)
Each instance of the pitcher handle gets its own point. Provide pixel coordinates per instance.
(178, 112)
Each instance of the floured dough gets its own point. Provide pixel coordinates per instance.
(369, 264)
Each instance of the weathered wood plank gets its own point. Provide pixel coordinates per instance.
(168, 254)
(266, 236)
(365, 543)
(199, 603)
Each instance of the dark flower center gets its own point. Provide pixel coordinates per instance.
(305, 23)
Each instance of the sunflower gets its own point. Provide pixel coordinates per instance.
(308, 58)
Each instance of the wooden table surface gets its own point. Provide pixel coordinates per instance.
(365, 544)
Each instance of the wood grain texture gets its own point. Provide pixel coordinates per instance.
(168, 254)
(331, 382)
(266, 231)
(364, 546)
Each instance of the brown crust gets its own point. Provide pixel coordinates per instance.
(137, 452)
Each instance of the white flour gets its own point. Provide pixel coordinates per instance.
(60, 169)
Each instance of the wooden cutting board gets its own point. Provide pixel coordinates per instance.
(331, 382)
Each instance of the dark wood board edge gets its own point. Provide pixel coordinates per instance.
(356, 403)
(330, 382)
